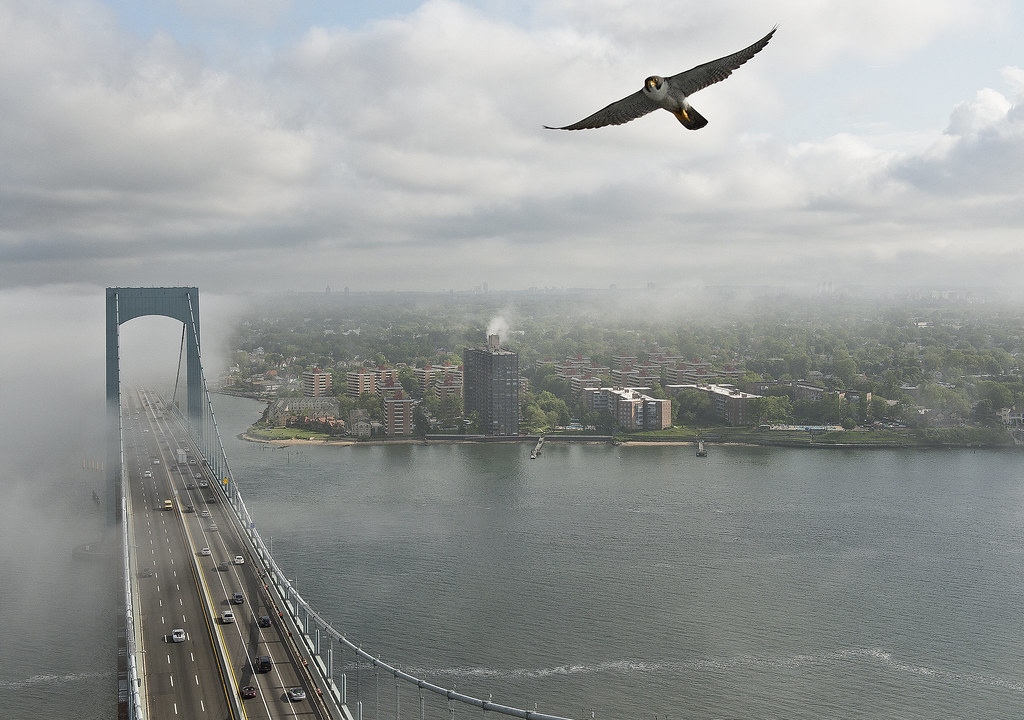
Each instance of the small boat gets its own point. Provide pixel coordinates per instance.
(701, 452)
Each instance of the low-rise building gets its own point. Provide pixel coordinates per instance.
(359, 423)
(314, 407)
(1012, 416)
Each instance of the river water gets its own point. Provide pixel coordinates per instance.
(631, 582)
(642, 582)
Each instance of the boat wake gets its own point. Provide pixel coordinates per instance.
(51, 679)
(871, 656)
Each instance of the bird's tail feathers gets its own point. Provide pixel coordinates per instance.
(691, 119)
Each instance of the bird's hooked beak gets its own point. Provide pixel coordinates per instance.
(653, 83)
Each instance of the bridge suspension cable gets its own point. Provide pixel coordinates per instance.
(177, 375)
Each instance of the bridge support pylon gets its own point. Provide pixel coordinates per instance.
(124, 304)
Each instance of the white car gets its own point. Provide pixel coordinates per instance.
(205, 513)
(213, 527)
(147, 474)
(205, 551)
(227, 617)
(239, 560)
(177, 635)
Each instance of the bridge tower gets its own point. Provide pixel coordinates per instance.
(124, 304)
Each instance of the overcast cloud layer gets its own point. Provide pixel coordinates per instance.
(243, 146)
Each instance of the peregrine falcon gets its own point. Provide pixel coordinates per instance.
(670, 93)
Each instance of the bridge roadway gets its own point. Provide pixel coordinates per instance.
(178, 587)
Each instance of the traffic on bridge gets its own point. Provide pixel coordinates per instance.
(214, 643)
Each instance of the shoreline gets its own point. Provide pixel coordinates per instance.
(601, 440)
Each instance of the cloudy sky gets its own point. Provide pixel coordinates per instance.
(241, 145)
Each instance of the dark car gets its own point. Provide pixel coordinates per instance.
(264, 621)
(248, 692)
(264, 664)
(238, 598)
(190, 508)
(146, 572)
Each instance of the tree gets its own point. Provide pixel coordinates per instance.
(372, 404)
(997, 393)
(844, 367)
(879, 407)
(554, 405)
(533, 418)
(446, 410)
(605, 423)
(692, 407)
(421, 426)
(409, 382)
(984, 412)
(771, 409)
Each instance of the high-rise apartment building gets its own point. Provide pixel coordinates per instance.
(316, 383)
(490, 380)
(360, 382)
(398, 415)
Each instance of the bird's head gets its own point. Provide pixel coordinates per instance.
(655, 86)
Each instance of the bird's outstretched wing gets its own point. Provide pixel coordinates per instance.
(621, 111)
(709, 73)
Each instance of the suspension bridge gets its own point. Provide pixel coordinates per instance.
(168, 485)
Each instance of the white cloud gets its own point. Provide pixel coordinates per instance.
(408, 152)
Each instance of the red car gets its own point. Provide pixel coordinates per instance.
(248, 692)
